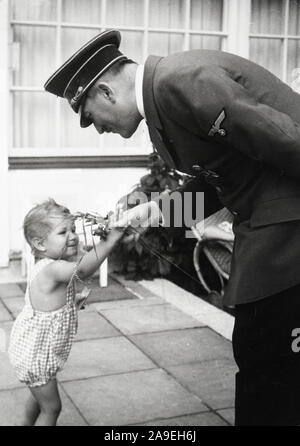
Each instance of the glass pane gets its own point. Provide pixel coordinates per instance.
(166, 13)
(132, 45)
(136, 140)
(268, 53)
(205, 42)
(267, 16)
(71, 134)
(37, 55)
(88, 11)
(293, 68)
(111, 142)
(34, 120)
(116, 145)
(34, 10)
(207, 15)
(126, 12)
(163, 44)
(74, 38)
(294, 19)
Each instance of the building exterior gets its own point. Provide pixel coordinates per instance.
(43, 150)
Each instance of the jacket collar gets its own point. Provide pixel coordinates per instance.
(152, 117)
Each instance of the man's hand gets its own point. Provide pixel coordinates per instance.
(138, 219)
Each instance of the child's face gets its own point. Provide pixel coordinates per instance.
(62, 241)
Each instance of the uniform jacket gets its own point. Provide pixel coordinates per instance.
(241, 124)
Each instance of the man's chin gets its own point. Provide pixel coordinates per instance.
(127, 133)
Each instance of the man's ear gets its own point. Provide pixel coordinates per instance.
(38, 244)
(107, 91)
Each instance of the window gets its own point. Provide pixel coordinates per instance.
(46, 32)
(275, 38)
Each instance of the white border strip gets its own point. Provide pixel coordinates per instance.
(5, 131)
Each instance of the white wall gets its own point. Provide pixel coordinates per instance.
(4, 131)
(78, 189)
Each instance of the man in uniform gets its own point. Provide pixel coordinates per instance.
(238, 127)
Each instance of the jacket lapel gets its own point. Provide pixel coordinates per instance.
(152, 118)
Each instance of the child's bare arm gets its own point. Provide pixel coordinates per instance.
(61, 271)
(139, 216)
(93, 259)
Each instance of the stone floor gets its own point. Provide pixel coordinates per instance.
(137, 360)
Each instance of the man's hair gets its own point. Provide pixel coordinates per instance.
(117, 67)
(37, 223)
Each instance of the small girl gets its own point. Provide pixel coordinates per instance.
(44, 331)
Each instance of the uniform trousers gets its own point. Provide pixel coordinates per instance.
(266, 346)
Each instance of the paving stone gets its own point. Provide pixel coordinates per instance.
(10, 290)
(12, 274)
(14, 304)
(228, 415)
(201, 419)
(12, 404)
(70, 415)
(99, 306)
(131, 398)
(114, 291)
(103, 357)
(91, 326)
(4, 314)
(8, 379)
(156, 318)
(183, 346)
(134, 286)
(212, 381)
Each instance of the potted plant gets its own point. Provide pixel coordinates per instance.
(161, 247)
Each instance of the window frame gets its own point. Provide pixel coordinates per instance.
(236, 39)
(285, 37)
(93, 153)
(4, 132)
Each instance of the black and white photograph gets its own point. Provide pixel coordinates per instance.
(150, 215)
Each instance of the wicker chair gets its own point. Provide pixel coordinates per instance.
(213, 251)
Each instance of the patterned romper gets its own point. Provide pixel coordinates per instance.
(40, 342)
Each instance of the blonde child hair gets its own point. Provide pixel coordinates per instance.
(36, 222)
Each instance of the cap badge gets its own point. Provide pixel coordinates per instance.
(77, 95)
(216, 127)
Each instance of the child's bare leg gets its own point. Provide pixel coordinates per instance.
(49, 401)
(31, 412)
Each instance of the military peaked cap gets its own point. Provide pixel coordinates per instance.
(72, 80)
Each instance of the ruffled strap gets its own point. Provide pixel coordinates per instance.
(82, 297)
(74, 274)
